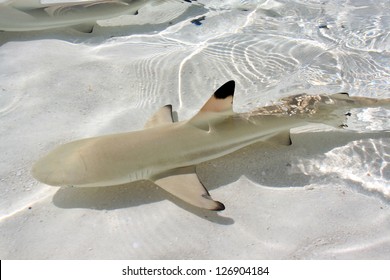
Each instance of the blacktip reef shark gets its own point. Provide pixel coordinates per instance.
(167, 152)
(29, 15)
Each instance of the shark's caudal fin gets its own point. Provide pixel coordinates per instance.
(184, 184)
(161, 117)
(361, 102)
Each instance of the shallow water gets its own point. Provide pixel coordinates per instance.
(61, 85)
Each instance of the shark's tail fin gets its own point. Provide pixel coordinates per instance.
(360, 102)
(341, 105)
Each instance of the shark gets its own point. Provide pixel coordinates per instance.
(167, 152)
(31, 15)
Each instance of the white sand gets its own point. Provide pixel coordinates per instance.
(324, 197)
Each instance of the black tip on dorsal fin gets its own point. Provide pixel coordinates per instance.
(220, 102)
(341, 95)
(225, 90)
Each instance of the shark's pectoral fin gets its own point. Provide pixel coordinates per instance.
(282, 138)
(185, 184)
(162, 116)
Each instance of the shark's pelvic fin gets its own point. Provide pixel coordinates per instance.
(185, 184)
(341, 95)
(162, 116)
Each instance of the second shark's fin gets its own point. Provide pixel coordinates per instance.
(282, 138)
(84, 28)
(162, 116)
(185, 184)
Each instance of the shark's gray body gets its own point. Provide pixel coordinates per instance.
(28, 15)
(167, 153)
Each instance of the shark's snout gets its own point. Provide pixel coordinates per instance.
(55, 170)
(48, 174)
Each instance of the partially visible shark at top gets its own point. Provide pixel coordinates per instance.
(29, 15)
(167, 152)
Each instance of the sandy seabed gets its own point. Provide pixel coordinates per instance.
(324, 197)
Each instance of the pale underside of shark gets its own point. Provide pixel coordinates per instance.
(167, 152)
(28, 15)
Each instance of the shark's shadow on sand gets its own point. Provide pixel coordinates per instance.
(264, 164)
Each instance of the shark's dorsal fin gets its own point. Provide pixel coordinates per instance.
(221, 100)
(219, 104)
(184, 184)
(162, 116)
